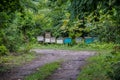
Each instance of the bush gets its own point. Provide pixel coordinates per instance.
(115, 73)
(3, 50)
(95, 70)
(25, 48)
(103, 66)
(115, 65)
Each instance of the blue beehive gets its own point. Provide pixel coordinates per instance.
(89, 40)
(67, 40)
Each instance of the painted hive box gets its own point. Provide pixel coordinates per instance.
(47, 40)
(40, 38)
(53, 39)
(89, 40)
(59, 40)
(67, 40)
(78, 40)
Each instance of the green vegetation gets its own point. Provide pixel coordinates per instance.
(97, 18)
(103, 66)
(3, 50)
(21, 21)
(7, 62)
(81, 46)
(44, 71)
(71, 18)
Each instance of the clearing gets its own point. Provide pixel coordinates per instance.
(73, 61)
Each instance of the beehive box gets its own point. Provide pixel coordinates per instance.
(78, 40)
(40, 38)
(89, 40)
(53, 40)
(47, 40)
(67, 40)
(96, 39)
(59, 40)
(47, 35)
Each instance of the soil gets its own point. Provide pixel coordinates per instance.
(73, 61)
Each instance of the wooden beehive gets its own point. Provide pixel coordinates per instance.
(89, 40)
(47, 35)
(40, 38)
(67, 40)
(78, 40)
(59, 40)
(47, 40)
(53, 40)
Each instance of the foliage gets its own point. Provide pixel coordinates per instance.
(44, 71)
(13, 60)
(22, 20)
(96, 70)
(81, 46)
(3, 50)
(114, 62)
(10, 5)
(100, 19)
(70, 18)
(104, 66)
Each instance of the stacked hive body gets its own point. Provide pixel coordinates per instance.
(47, 37)
(67, 40)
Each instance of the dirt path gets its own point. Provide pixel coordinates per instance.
(69, 70)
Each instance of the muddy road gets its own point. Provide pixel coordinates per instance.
(69, 70)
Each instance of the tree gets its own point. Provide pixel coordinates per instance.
(99, 17)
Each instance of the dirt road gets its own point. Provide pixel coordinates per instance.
(73, 61)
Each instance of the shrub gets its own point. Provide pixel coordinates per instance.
(3, 50)
(115, 65)
(25, 48)
(114, 74)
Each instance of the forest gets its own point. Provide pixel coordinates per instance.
(21, 21)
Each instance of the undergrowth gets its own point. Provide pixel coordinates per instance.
(7, 62)
(103, 66)
(44, 71)
(81, 46)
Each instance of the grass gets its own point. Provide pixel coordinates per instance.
(21, 59)
(96, 69)
(81, 46)
(44, 71)
(100, 67)
(7, 62)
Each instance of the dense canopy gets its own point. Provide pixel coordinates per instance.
(23, 20)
